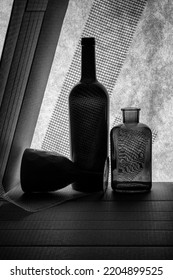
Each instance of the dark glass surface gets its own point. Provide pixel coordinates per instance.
(131, 154)
(43, 171)
(88, 112)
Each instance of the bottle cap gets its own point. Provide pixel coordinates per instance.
(130, 114)
(88, 41)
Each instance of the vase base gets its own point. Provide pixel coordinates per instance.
(131, 187)
(89, 186)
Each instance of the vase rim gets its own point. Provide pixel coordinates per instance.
(130, 109)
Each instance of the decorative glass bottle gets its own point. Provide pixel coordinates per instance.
(89, 122)
(131, 154)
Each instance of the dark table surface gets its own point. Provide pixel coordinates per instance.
(113, 226)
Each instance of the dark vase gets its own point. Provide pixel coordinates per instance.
(131, 154)
(43, 171)
(89, 122)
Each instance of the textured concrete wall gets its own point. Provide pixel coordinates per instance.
(145, 80)
(5, 10)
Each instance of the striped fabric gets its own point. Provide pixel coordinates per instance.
(17, 81)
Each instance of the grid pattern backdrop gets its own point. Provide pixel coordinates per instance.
(112, 23)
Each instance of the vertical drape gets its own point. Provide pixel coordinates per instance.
(25, 65)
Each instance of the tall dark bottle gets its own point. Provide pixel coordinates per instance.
(89, 122)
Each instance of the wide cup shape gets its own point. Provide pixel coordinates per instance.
(43, 171)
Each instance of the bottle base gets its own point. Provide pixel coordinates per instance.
(131, 187)
(88, 186)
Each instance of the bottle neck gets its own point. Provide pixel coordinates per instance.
(88, 73)
(130, 116)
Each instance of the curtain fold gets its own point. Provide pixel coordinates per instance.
(30, 51)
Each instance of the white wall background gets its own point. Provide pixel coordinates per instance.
(146, 78)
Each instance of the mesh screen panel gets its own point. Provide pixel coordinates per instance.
(112, 23)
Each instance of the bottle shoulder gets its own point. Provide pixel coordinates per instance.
(144, 126)
(94, 86)
(138, 126)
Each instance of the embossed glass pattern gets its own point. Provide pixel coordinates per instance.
(131, 154)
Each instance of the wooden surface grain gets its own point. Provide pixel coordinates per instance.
(116, 226)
